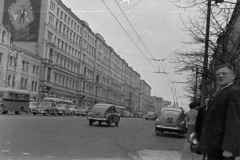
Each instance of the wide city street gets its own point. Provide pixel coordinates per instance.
(71, 137)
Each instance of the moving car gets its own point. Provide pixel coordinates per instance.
(151, 116)
(63, 109)
(172, 119)
(102, 112)
(46, 108)
(74, 109)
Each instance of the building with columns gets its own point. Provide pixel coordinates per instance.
(71, 61)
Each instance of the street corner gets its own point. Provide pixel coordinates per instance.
(156, 155)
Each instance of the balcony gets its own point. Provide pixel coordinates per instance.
(50, 42)
(48, 62)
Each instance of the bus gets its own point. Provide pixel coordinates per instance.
(14, 100)
(121, 110)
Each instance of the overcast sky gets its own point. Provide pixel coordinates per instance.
(154, 30)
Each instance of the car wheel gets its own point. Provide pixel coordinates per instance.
(45, 112)
(109, 122)
(90, 122)
(182, 135)
(100, 123)
(1, 109)
(116, 123)
(34, 114)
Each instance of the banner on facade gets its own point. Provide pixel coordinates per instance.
(21, 18)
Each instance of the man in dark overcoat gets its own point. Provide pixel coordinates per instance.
(220, 136)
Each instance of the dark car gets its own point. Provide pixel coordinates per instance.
(103, 112)
(172, 119)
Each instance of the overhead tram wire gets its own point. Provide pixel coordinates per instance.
(130, 37)
(138, 36)
(147, 48)
(117, 16)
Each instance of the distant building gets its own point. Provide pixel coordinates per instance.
(145, 97)
(167, 103)
(157, 103)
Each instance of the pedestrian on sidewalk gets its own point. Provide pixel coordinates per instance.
(198, 126)
(191, 118)
(220, 136)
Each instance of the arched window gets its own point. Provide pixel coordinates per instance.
(3, 36)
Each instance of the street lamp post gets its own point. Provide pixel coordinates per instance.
(205, 61)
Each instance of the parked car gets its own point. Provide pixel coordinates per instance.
(46, 108)
(102, 112)
(74, 109)
(172, 119)
(64, 109)
(83, 111)
(151, 116)
(32, 106)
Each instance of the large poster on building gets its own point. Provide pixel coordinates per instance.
(21, 18)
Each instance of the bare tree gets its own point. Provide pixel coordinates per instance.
(220, 39)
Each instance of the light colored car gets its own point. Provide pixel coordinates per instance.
(172, 119)
(32, 106)
(45, 108)
(151, 116)
(75, 110)
(64, 109)
(102, 112)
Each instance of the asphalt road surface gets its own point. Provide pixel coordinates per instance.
(28, 137)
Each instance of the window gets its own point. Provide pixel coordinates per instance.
(57, 11)
(61, 14)
(50, 20)
(0, 57)
(22, 80)
(23, 65)
(35, 86)
(32, 89)
(3, 36)
(51, 54)
(34, 67)
(25, 85)
(50, 35)
(9, 80)
(52, 6)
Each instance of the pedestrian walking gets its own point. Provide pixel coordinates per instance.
(220, 136)
(191, 118)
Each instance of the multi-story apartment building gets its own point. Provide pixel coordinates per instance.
(75, 62)
(145, 96)
(19, 69)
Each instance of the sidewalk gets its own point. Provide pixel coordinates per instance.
(188, 155)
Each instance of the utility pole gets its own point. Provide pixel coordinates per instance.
(195, 88)
(205, 62)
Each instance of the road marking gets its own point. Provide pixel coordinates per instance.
(5, 150)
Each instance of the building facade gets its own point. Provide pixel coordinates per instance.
(157, 103)
(145, 97)
(70, 60)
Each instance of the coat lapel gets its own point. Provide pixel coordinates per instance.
(217, 95)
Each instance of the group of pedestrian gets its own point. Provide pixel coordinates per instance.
(216, 132)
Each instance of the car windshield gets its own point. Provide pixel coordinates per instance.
(102, 108)
(46, 104)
